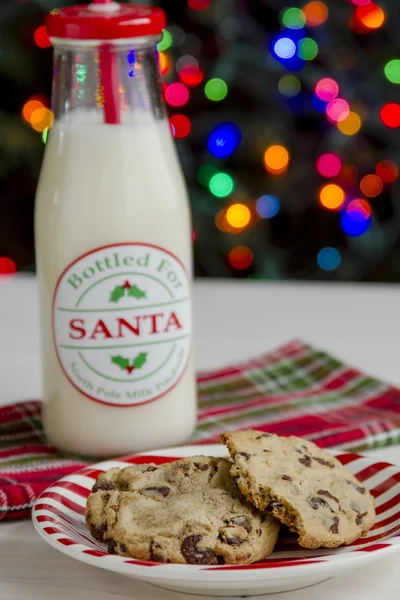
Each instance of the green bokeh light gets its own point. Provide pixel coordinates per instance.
(216, 89)
(289, 85)
(44, 135)
(307, 49)
(221, 185)
(293, 18)
(392, 70)
(205, 173)
(166, 41)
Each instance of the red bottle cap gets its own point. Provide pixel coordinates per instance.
(105, 20)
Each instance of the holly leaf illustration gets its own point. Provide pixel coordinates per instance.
(140, 360)
(121, 362)
(135, 292)
(117, 293)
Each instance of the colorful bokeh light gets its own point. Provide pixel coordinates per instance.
(329, 165)
(370, 16)
(224, 139)
(293, 18)
(332, 196)
(181, 126)
(307, 49)
(221, 185)
(177, 94)
(371, 186)
(241, 257)
(238, 215)
(8, 268)
(356, 218)
(289, 86)
(390, 115)
(359, 205)
(199, 4)
(164, 63)
(387, 171)
(360, 2)
(327, 89)
(338, 110)
(328, 259)
(205, 173)
(316, 13)
(191, 75)
(267, 206)
(284, 48)
(348, 175)
(42, 119)
(166, 41)
(41, 37)
(29, 108)
(276, 159)
(392, 70)
(351, 124)
(216, 89)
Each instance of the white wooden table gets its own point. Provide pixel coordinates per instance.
(360, 324)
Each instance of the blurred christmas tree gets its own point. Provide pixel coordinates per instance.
(286, 119)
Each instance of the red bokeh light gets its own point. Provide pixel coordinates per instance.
(329, 165)
(387, 171)
(181, 126)
(192, 75)
(370, 16)
(337, 110)
(199, 4)
(360, 206)
(326, 89)
(41, 37)
(177, 94)
(241, 257)
(8, 268)
(390, 115)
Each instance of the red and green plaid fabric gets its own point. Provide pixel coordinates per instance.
(296, 390)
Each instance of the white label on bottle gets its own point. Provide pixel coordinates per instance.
(122, 323)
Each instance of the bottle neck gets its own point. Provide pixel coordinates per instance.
(92, 82)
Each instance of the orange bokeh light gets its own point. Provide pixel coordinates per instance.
(370, 16)
(332, 196)
(315, 13)
(42, 118)
(164, 63)
(276, 159)
(238, 215)
(29, 108)
(371, 186)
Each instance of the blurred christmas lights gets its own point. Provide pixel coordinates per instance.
(41, 119)
(316, 13)
(216, 89)
(29, 108)
(307, 49)
(177, 94)
(356, 218)
(387, 171)
(327, 89)
(221, 185)
(360, 2)
(164, 63)
(329, 165)
(390, 115)
(181, 126)
(284, 48)
(45, 135)
(166, 41)
(241, 257)
(392, 70)
(238, 215)
(41, 37)
(205, 173)
(191, 74)
(199, 4)
(338, 110)
(276, 159)
(359, 205)
(350, 125)
(267, 206)
(8, 268)
(224, 139)
(371, 186)
(328, 259)
(348, 175)
(293, 18)
(332, 196)
(371, 16)
(289, 85)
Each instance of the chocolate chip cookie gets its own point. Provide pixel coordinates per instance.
(187, 511)
(301, 485)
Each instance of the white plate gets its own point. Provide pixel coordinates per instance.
(58, 518)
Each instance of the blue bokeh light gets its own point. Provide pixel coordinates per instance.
(355, 223)
(284, 48)
(328, 258)
(224, 139)
(318, 104)
(267, 206)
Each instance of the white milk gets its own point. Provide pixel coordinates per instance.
(117, 353)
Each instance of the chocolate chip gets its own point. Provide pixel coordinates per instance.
(316, 502)
(155, 556)
(359, 489)
(286, 478)
(240, 521)
(150, 469)
(305, 460)
(231, 540)
(263, 435)
(156, 492)
(334, 528)
(194, 555)
(103, 486)
(326, 463)
(99, 532)
(245, 455)
(123, 548)
(258, 532)
(328, 495)
(359, 516)
(111, 546)
(221, 560)
(202, 466)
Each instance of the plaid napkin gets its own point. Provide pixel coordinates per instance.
(295, 390)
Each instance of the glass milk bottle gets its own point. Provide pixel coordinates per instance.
(113, 242)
